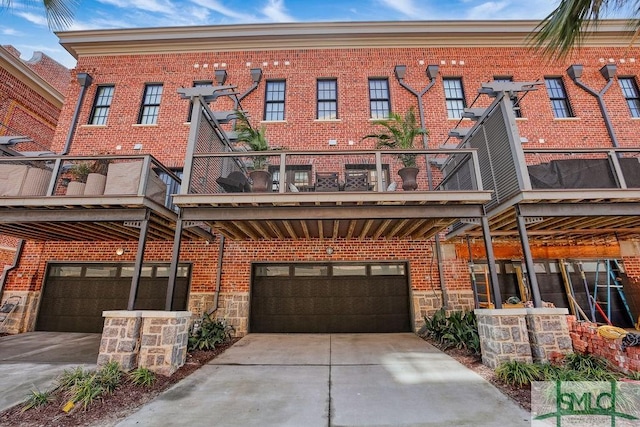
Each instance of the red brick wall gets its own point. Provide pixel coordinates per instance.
(586, 340)
(352, 68)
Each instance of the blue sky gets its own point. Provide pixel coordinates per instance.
(24, 25)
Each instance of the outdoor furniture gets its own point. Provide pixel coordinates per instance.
(356, 181)
(235, 182)
(327, 181)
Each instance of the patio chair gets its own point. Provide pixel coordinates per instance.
(235, 182)
(327, 181)
(356, 181)
(8, 307)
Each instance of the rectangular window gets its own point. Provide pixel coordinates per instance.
(101, 105)
(454, 97)
(327, 99)
(197, 84)
(379, 98)
(630, 91)
(150, 104)
(274, 100)
(558, 96)
(514, 98)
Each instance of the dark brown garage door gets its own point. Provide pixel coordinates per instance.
(75, 295)
(324, 298)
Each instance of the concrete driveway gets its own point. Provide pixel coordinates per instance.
(33, 360)
(332, 380)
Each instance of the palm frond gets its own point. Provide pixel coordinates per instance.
(59, 13)
(567, 26)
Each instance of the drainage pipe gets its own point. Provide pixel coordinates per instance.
(85, 81)
(216, 298)
(6, 271)
(603, 107)
(425, 143)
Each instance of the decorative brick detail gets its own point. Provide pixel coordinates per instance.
(548, 332)
(120, 339)
(586, 340)
(503, 336)
(163, 348)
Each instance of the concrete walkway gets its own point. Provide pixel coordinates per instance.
(33, 361)
(332, 380)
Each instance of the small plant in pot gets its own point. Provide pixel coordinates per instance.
(255, 140)
(400, 134)
(79, 172)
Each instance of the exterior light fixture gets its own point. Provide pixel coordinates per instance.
(221, 76)
(119, 251)
(575, 71)
(256, 74)
(329, 250)
(608, 71)
(432, 71)
(400, 71)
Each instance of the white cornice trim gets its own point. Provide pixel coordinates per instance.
(318, 35)
(26, 75)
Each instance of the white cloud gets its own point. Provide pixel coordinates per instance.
(9, 32)
(488, 10)
(33, 18)
(276, 11)
(217, 7)
(407, 8)
(158, 6)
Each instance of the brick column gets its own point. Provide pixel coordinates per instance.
(503, 336)
(163, 347)
(120, 338)
(548, 332)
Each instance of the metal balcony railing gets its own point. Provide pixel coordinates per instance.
(330, 171)
(74, 177)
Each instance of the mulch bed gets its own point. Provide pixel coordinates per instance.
(126, 399)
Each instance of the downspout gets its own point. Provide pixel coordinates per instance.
(6, 271)
(256, 76)
(216, 298)
(84, 79)
(432, 71)
(608, 71)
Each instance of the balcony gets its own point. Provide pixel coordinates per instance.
(87, 198)
(330, 194)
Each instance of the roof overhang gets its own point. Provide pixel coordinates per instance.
(319, 35)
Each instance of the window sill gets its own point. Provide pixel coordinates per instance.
(455, 119)
(327, 120)
(522, 119)
(566, 119)
(92, 126)
(273, 121)
(139, 125)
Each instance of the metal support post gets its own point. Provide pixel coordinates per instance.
(528, 258)
(137, 269)
(175, 260)
(491, 261)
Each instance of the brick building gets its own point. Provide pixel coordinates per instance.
(497, 192)
(31, 97)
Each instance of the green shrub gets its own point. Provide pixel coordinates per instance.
(518, 373)
(86, 391)
(36, 399)
(142, 377)
(70, 377)
(635, 375)
(208, 333)
(109, 376)
(584, 362)
(459, 329)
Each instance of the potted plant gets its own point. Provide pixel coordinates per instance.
(79, 172)
(97, 177)
(400, 134)
(255, 140)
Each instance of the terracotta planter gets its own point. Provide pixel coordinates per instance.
(409, 175)
(261, 181)
(95, 184)
(75, 188)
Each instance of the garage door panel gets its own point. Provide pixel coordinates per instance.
(330, 304)
(75, 304)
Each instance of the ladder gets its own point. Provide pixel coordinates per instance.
(613, 281)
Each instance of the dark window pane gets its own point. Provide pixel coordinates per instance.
(274, 100)
(379, 98)
(101, 105)
(558, 96)
(150, 104)
(631, 95)
(454, 97)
